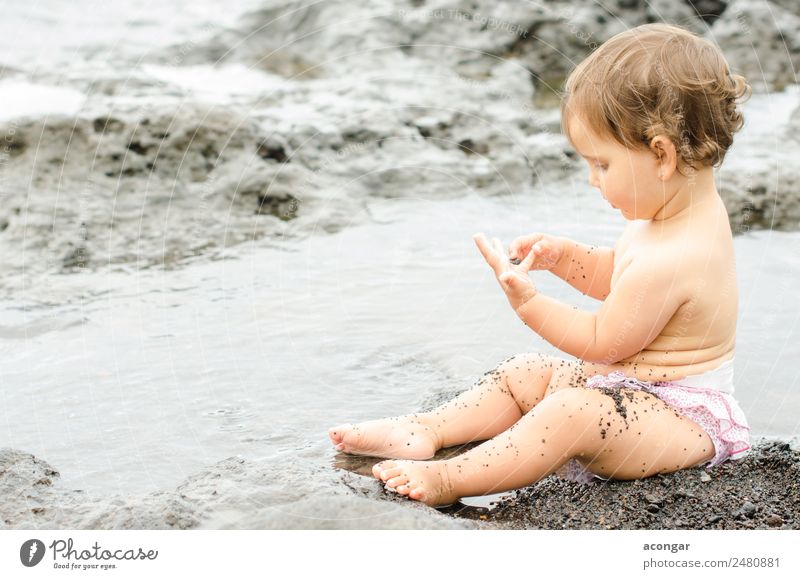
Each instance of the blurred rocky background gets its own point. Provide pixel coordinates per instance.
(284, 120)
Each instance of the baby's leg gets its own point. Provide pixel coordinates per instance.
(622, 435)
(498, 400)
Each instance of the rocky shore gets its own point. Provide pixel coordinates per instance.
(761, 491)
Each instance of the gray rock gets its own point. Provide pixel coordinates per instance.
(681, 13)
(761, 41)
(788, 5)
(378, 101)
(87, 191)
(774, 520)
(233, 493)
(748, 509)
(793, 130)
(763, 196)
(470, 37)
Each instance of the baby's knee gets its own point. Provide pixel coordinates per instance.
(525, 365)
(573, 405)
(566, 375)
(586, 418)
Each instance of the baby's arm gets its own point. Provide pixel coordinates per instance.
(587, 268)
(646, 296)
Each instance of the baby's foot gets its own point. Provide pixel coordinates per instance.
(399, 437)
(425, 481)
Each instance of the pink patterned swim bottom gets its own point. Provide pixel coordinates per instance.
(716, 412)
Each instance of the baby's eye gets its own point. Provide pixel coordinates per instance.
(601, 166)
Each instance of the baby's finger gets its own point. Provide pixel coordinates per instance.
(512, 280)
(518, 251)
(521, 245)
(498, 246)
(512, 250)
(482, 243)
(527, 263)
(485, 249)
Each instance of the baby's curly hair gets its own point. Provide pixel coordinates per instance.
(659, 79)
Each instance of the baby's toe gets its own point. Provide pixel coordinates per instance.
(381, 467)
(391, 473)
(413, 489)
(337, 433)
(396, 481)
(416, 491)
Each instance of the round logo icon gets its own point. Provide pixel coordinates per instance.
(31, 552)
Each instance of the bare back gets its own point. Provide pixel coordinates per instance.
(702, 332)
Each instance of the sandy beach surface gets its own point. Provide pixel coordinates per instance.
(760, 491)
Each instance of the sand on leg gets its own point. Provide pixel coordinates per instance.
(498, 400)
(615, 434)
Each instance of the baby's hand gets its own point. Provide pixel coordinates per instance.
(514, 279)
(547, 250)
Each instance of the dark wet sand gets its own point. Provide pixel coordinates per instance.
(760, 491)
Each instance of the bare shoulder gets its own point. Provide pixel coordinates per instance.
(643, 255)
(704, 235)
(704, 244)
(621, 247)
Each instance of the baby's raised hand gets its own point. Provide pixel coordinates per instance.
(547, 249)
(514, 279)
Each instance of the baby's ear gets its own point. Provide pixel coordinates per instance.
(666, 153)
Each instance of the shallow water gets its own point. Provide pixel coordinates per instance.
(151, 375)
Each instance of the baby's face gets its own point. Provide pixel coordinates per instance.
(627, 178)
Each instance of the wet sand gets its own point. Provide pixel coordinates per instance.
(760, 491)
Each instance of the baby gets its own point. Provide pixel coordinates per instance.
(652, 111)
